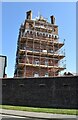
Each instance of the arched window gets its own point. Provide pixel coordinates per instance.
(38, 34)
(43, 34)
(31, 32)
(27, 32)
(49, 36)
(55, 36)
(46, 35)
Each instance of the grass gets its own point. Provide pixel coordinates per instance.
(44, 110)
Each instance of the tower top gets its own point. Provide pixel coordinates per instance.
(29, 15)
(52, 19)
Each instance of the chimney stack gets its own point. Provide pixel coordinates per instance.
(52, 19)
(29, 15)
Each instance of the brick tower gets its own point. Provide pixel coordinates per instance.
(38, 48)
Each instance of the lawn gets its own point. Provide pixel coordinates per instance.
(44, 110)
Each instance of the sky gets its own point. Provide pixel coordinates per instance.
(14, 13)
(77, 37)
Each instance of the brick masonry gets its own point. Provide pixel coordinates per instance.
(53, 92)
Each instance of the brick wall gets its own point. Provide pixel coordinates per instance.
(57, 92)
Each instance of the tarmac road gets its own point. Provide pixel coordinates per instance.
(10, 117)
(24, 115)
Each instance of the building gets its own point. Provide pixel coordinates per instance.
(3, 64)
(38, 48)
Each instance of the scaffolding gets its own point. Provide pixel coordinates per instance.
(38, 50)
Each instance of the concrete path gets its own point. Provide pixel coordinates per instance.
(46, 116)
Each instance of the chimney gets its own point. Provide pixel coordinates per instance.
(52, 19)
(29, 15)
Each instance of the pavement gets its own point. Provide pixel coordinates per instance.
(38, 115)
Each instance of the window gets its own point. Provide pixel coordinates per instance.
(25, 31)
(55, 36)
(38, 34)
(31, 32)
(46, 35)
(36, 75)
(46, 75)
(45, 51)
(53, 30)
(49, 36)
(21, 85)
(51, 51)
(3, 84)
(28, 32)
(43, 34)
(37, 62)
(46, 62)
